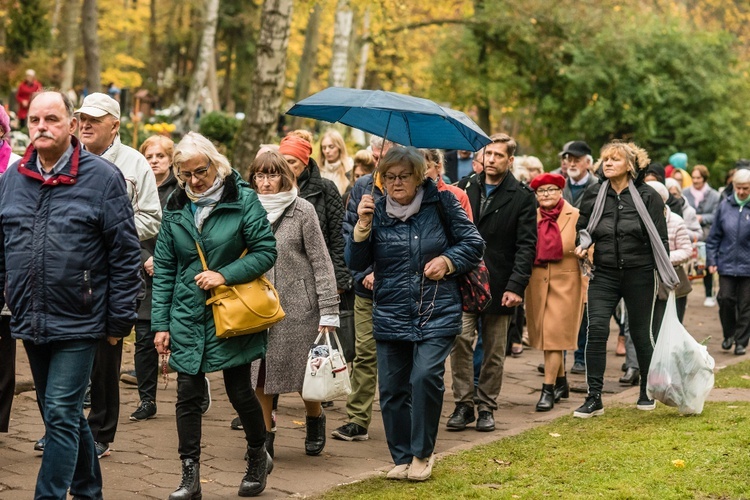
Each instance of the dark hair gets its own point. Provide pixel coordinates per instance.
(510, 143)
(69, 107)
(272, 162)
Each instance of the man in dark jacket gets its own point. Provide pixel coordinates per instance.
(505, 213)
(70, 260)
(579, 161)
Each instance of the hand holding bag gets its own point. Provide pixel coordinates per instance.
(326, 374)
(243, 309)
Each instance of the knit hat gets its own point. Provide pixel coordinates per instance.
(679, 160)
(544, 179)
(660, 188)
(4, 122)
(670, 183)
(657, 170)
(297, 147)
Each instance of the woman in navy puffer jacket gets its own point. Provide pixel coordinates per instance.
(416, 301)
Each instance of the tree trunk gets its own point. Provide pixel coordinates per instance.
(227, 101)
(309, 59)
(155, 53)
(55, 19)
(262, 112)
(90, 38)
(342, 33)
(70, 42)
(364, 51)
(213, 84)
(206, 53)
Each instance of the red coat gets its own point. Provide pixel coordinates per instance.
(23, 96)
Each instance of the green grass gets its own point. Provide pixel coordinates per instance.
(624, 454)
(737, 375)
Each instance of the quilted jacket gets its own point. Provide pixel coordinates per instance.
(728, 243)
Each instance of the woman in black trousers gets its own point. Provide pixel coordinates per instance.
(624, 219)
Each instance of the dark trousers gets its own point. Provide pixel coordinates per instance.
(410, 375)
(146, 360)
(7, 372)
(636, 287)
(660, 307)
(190, 392)
(61, 372)
(105, 391)
(734, 308)
(579, 355)
(515, 330)
(708, 282)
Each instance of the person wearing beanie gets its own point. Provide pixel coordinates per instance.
(655, 172)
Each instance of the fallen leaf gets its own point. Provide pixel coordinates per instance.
(298, 422)
(745, 377)
(501, 463)
(554, 434)
(680, 464)
(732, 406)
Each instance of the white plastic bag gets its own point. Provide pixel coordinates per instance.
(682, 371)
(326, 375)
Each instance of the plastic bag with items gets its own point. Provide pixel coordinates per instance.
(682, 371)
(326, 375)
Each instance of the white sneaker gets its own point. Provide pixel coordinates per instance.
(421, 468)
(399, 472)
(709, 302)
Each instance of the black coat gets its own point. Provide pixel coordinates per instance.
(568, 194)
(325, 197)
(508, 226)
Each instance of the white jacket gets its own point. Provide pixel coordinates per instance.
(680, 247)
(141, 182)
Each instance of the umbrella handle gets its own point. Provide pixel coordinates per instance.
(382, 146)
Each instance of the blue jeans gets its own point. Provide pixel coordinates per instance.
(61, 372)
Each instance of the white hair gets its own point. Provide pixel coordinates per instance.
(660, 188)
(741, 176)
(672, 183)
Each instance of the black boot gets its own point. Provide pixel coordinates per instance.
(562, 390)
(631, 377)
(547, 399)
(315, 439)
(190, 487)
(270, 436)
(259, 466)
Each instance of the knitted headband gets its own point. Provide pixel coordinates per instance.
(297, 147)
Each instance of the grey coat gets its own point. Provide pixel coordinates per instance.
(304, 277)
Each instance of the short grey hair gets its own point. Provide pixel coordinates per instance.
(379, 142)
(194, 145)
(741, 176)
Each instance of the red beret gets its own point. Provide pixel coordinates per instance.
(544, 179)
(297, 147)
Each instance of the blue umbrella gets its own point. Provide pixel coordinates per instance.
(405, 120)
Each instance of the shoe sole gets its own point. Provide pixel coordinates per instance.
(337, 435)
(488, 429)
(105, 454)
(646, 407)
(134, 419)
(594, 413)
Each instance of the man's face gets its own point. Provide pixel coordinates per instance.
(97, 133)
(496, 160)
(578, 167)
(378, 153)
(49, 124)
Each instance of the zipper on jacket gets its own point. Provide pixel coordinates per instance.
(87, 288)
(617, 240)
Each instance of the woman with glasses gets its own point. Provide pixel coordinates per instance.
(303, 276)
(417, 240)
(623, 218)
(556, 291)
(216, 210)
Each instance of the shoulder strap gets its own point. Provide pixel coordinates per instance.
(444, 220)
(203, 259)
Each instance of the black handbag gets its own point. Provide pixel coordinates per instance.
(346, 333)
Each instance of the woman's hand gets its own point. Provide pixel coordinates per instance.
(209, 279)
(365, 210)
(713, 269)
(369, 281)
(326, 328)
(148, 266)
(581, 252)
(436, 269)
(161, 342)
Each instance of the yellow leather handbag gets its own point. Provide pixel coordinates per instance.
(243, 309)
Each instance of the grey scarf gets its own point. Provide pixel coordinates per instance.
(401, 212)
(663, 265)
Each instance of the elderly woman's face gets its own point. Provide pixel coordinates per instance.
(267, 183)
(159, 161)
(295, 164)
(401, 184)
(675, 191)
(698, 181)
(742, 189)
(614, 165)
(198, 173)
(548, 196)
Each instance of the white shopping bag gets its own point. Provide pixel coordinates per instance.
(682, 371)
(326, 375)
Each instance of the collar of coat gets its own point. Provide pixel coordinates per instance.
(66, 176)
(500, 196)
(431, 195)
(179, 198)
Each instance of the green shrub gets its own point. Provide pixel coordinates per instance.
(220, 128)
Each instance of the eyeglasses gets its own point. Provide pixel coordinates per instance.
(390, 179)
(547, 192)
(199, 173)
(263, 177)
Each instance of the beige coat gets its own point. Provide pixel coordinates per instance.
(556, 293)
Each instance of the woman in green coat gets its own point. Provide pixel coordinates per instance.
(217, 209)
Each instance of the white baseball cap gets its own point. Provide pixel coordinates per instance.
(98, 105)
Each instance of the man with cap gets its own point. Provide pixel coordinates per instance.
(99, 126)
(578, 160)
(69, 263)
(25, 92)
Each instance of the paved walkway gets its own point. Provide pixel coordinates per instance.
(144, 461)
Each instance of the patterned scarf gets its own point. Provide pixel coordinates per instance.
(205, 201)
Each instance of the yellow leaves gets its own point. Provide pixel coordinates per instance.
(595, 97)
(554, 434)
(122, 78)
(160, 128)
(617, 8)
(124, 60)
(533, 20)
(625, 106)
(680, 464)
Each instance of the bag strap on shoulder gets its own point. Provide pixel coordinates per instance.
(203, 258)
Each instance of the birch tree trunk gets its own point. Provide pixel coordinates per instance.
(89, 22)
(342, 33)
(70, 42)
(309, 59)
(364, 51)
(205, 54)
(262, 112)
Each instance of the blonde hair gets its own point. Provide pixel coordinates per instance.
(163, 142)
(194, 145)
(302, 134)
(635, 156)
(337, 141)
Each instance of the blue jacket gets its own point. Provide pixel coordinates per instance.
(406, 305)
(362, 186)
(70, 256)
(728, 243)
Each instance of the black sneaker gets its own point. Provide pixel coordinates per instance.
(39, 445)
(206, 403)
(146, 410)
(102, 449)
(462, 416)
(578, 368)
(87, 397)
(236, 424)
(129, 377)
(645, 404)
(351, 432)
(593, 407)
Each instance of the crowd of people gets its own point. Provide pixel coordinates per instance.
(100, 239)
